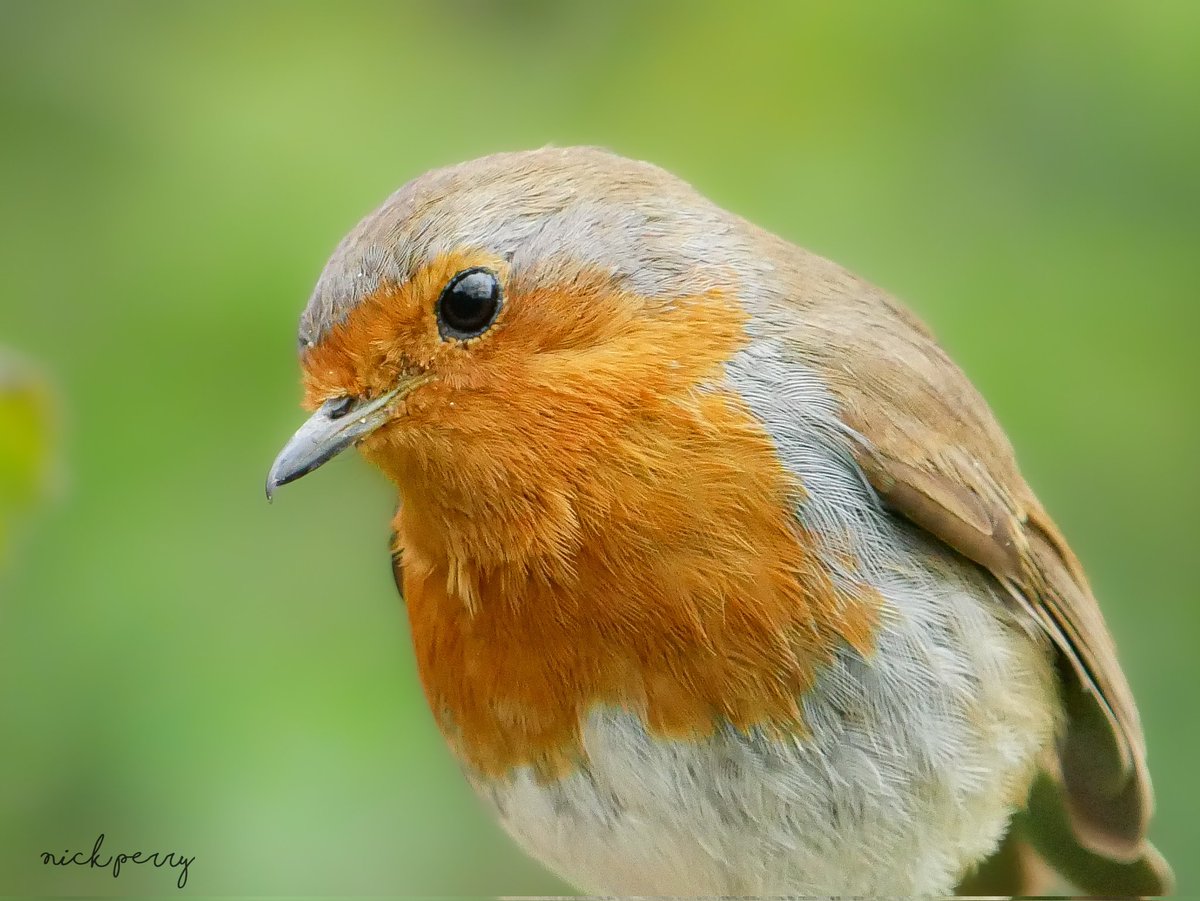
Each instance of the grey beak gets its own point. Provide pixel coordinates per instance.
(334, 427)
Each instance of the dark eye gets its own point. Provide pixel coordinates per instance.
(469, 304)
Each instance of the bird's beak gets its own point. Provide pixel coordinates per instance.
(338, 423)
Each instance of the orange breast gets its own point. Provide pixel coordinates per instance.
(691, 596)
(589, 517)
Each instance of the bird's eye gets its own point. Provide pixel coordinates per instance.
(469, 304)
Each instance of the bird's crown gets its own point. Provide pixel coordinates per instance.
(553, 211)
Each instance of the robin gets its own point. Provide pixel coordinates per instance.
(721, 577)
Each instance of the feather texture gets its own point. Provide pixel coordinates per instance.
(698, 483)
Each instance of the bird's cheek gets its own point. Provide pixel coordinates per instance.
(387, 448)
(402, 433)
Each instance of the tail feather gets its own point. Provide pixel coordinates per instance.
(1041, 851)
(1048, 826)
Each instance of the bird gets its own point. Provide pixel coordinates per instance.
(721, 577)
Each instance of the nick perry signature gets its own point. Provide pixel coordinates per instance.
(116, 861)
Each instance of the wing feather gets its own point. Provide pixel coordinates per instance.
(931, 448)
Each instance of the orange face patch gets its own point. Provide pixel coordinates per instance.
(588, 516)
(391, 333)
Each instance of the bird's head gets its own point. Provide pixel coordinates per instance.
(530, 338)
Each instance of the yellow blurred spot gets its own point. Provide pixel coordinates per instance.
(25, 442)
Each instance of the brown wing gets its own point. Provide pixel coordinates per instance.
(931, 448)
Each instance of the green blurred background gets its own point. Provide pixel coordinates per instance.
(183, 667)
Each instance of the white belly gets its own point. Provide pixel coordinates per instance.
(916, 759)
